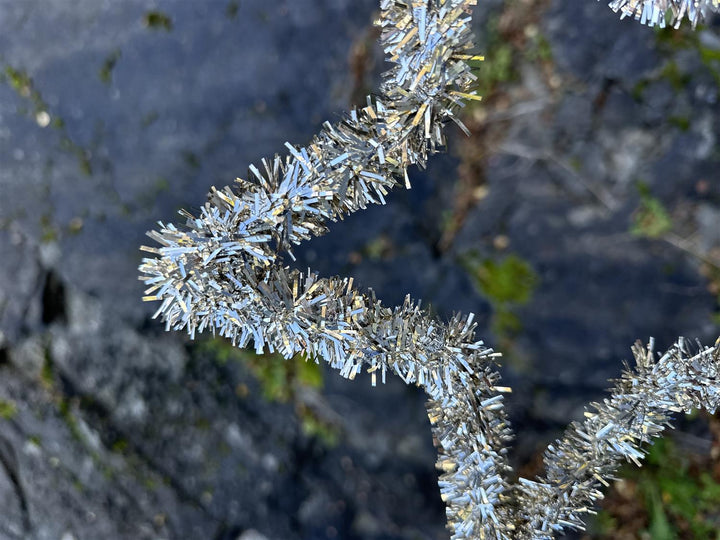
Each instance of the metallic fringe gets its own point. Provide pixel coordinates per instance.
(638, 409)
(653, 12)
(223, 271)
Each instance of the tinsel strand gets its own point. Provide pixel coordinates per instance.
(579, 464)
(222, 271)
(653, 12)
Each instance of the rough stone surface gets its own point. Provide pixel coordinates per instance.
(121, 430)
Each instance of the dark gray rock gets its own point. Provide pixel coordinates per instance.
(124, 431)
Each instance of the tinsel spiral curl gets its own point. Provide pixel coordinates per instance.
(223, 271)
(654, 12)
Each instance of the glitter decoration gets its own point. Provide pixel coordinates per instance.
(223, 271)
(654, 12)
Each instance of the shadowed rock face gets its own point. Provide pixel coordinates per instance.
(113, 116)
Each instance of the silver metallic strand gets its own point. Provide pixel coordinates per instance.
(472, 436)
(286, 311)
(357, 161)
(653, 12)
(590, 452)
(222, 270)
(346, 167)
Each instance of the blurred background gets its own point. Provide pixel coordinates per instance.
(582, 214)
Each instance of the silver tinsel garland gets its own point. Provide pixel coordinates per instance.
(653, 12)
(638, 409)
(223, 271)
